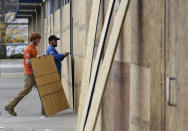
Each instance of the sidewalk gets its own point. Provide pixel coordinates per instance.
(11, 66)
(29, 117)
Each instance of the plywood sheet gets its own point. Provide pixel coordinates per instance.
(121, 83)
(132, 97)
(139, 115)
(152, 27)
(103, 73)
(57, 22)
(88, 60)
(79, 25)
(57, 28)
(66, 77)
(45, 36)
(100, 43)
(48, 26)
(78, 70)
(51, 24)
(65, 25)
(49, 85)
(66, 63)
(140, 43)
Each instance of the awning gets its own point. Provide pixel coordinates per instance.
(26, 8)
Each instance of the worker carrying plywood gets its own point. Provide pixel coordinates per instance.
(29, 52)
(52, 51)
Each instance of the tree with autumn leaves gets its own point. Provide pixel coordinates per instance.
(10, 29)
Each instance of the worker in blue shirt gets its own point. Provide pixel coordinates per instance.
(52, 51)
(57, 57)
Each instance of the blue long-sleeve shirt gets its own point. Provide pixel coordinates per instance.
(57, 57)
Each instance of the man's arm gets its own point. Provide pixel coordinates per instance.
(60, 56)
(55, 55)
(66, 54)
(27, 58)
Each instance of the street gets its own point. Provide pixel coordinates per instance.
(29, 116)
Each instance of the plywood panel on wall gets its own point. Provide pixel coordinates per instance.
(51, 24)
(129, 49)
(66, 63)
(49, 85)
(132, 97)
(79, 25)
(76, 33)
(65, 26)
(78, 62)
(177, 64)
(45, 36)
(57, 27)
(89, 119)
(48, 26)
(140, 43)
(57, 21)
(139, 98)
(85, 49)
(171, 62)
(67, 79)
(107, 105)
(153, 39)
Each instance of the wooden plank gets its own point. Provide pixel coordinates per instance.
(66, 64)
(49, 85)
(57, 28)
(45, 36)
(78, 61)
(57, 21)
(88, 57)
(152, 35)
(103, 72)
(52, 24)
(105, 30)
(65, 25)
(48, 26)
(67, 79)
(102, 40)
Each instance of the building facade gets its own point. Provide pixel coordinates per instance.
(153, 37)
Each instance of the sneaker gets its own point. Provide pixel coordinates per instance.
(42, 111)
(10, 111)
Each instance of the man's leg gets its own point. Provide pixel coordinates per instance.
(28, 84)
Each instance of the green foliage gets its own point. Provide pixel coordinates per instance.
(16, 56)
(2, 56)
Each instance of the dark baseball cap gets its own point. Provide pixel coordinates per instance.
(53, 37)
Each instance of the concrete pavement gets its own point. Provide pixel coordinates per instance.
(29, 117)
